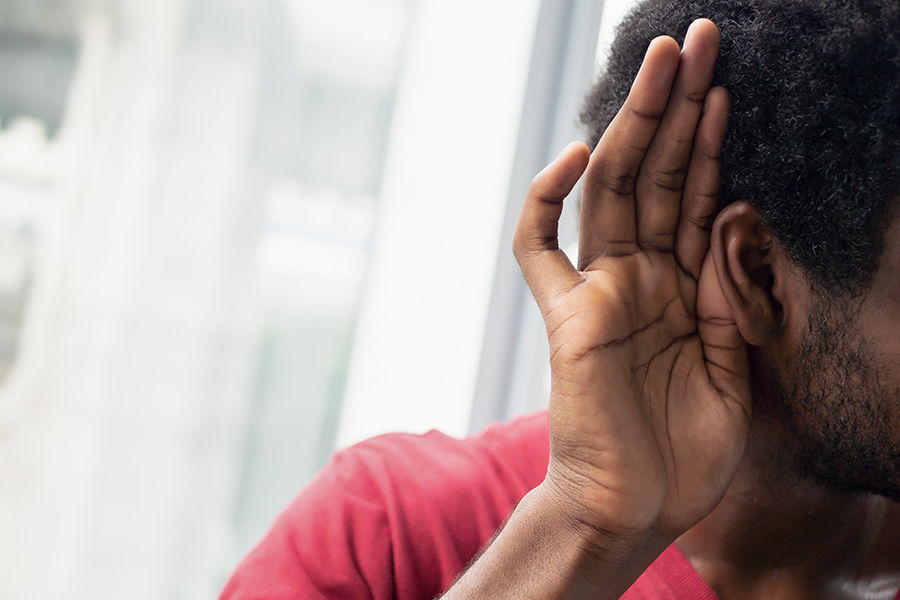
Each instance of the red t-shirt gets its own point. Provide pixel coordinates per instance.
(399, 516)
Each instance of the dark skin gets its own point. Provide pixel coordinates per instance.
(776, 534)
(794, 539)
(674, 313)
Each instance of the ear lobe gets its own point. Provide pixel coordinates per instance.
(742, 250)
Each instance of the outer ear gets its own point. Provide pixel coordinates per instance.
(749, 271)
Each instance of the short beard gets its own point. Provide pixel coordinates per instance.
(832, 397)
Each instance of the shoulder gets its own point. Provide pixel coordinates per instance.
(396, 516)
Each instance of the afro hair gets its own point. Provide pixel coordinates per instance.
(814, 128)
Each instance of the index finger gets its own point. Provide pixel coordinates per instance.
(608, 206)
(663, 172)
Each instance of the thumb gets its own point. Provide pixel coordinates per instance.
(724, 348)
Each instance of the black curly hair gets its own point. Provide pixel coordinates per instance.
(814, 129)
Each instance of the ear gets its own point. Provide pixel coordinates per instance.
(750, 271)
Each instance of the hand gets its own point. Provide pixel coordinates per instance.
(650, 406)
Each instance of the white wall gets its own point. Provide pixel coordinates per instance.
(419, 336)
(613, 13)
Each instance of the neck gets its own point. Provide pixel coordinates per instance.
(776, 534)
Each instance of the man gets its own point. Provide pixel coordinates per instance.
(725, 408)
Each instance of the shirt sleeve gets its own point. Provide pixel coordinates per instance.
(397, 516)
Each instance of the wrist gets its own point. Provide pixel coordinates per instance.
(546, 550)
(604, 504)
(599, 536)
(599, 563)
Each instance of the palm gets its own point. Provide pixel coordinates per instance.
(630, 332)
(650, 406)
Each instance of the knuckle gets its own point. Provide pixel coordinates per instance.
(519, 254)
(615, 249)
(695, 97)
(709, 151)
(662, 243)
(704, 223)
(614, 180)
(536, 187)
(672, 181)
(713, 154)
(543, 191)
(518, 244)
(645, 115)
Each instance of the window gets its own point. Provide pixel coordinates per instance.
(236, 234)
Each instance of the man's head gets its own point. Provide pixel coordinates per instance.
(814, 128)
(811, 174)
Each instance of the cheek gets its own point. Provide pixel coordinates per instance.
(880, 320)
(886, 283)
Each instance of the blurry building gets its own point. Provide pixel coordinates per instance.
(187, 190)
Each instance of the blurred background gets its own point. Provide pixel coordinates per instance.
(236, 235)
